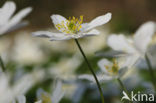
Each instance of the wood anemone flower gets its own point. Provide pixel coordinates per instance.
(73, 28)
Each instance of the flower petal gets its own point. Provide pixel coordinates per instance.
(45, 34)
(102, 63)
(144, 35)
(101, 78)
(84, 27)
(39, 101)
(120, 43)
(19, 16)
(131, 60)
(92, 33)
(99, 21)
(15, 20)
(109, 54)
(53, 36)
(21, 99)
(17, 26)
(6, 12)
(87, 77)
(58, 93)
(122, 71)
(58, 19)
(60, 37)
(81, 35)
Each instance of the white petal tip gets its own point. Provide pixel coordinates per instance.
(29, 9)
(54, 16)
(10, 3)
(108, 16)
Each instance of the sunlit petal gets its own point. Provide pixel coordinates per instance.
(58, 19)
(93, 32)
(21, 99)
(58, 93)
(45, 34)
(101, 78)
(144, 35)
(98, 21)
(6, 12)
(120, 43)
(15, 20)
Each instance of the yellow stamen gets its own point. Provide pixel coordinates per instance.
(113, 70)
(72, 25)
(46, 98)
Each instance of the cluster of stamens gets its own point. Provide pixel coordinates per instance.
(70, 26)
(46, 98)
(113, 70)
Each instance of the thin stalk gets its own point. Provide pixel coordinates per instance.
(123, 88)
(151, 71)
(91, 69)
(2, 64)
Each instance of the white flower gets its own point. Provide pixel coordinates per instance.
(136, 47)
(73, 28)
(20, 99)
(9, 92)
(27, 52)
(67, 67)
(109, 70)
(56, 96)
(7, 20)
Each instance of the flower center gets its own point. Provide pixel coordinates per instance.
(113, 70)
(46, 98)
(70, 26)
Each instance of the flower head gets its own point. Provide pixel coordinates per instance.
(8, 22)
(109, 70)
(135, 47)
(20, 86)
(46, 98)
(73, 27)
(113, 68)
(56, 96)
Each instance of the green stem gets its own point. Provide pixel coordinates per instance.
(91, 69)
(123, 88)
(151, 71)
(2, 64)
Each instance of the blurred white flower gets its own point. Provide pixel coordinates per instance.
(20, 99)
(9, 92)
(65, 67)
(7, 22)
(109, 70)
(55, 97)
(73, 28)
(27, 52)
(136, 47)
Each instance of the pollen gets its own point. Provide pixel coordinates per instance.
(71, 26)
(114, 68)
